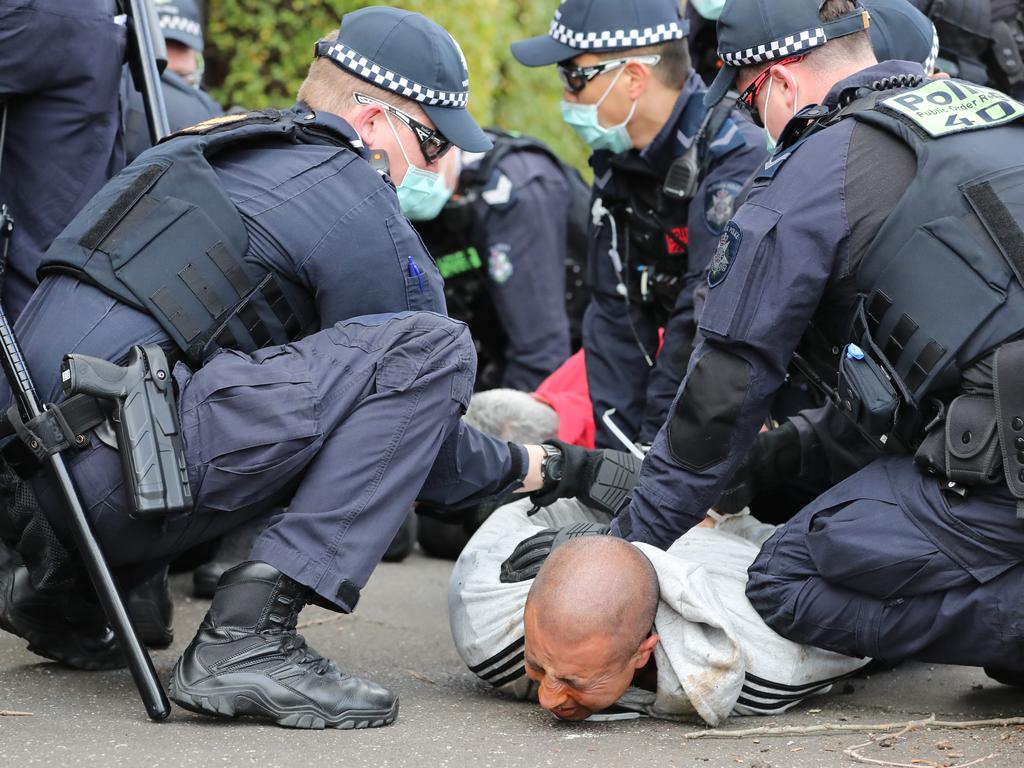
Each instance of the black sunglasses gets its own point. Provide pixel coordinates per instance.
(433, 144)
(575, 78)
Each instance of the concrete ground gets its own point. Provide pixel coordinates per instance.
(400, 638)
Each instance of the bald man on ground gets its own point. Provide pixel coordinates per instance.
(609, 626)
(589, 626)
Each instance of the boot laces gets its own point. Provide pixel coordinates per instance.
(301, 654)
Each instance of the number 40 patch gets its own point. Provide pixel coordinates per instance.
(943, 107)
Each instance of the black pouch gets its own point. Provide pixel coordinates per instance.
(866, 393)
(972, 455)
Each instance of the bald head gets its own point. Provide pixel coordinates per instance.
(596, 586)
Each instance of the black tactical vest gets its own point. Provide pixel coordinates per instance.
(164, 237)
(941, 286)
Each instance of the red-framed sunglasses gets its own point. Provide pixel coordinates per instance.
(748, 99)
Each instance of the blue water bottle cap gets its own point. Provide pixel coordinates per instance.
(853, 352)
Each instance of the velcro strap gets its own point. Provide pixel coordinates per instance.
(59, 427)
(1008, 383)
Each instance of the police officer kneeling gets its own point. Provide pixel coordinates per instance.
(881, 243)
(225, 245)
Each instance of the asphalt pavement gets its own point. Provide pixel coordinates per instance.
(400, 637)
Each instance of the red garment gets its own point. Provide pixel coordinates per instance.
(566, 391)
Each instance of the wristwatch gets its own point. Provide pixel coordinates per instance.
(552, 466)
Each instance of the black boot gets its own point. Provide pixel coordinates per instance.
(234, 548)
(66, 627)
(152, 610)
(247, 659)
(401, 546)
(1006, 676)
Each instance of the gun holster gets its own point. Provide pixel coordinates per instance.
(145, 419)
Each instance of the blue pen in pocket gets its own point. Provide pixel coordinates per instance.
(414, 271)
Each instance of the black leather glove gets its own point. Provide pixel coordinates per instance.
(530, 554)
(602, 479)
(774, 459)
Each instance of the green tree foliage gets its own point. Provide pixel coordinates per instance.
(258, 52)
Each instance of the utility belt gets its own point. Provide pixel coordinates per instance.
(138, 400)
(973, 439)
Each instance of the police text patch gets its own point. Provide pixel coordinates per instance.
(725, 253)
(942, 107)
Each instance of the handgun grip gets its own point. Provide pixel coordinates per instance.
(81, 374)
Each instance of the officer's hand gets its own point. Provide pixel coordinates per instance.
(774, 459)
(602, 479)
(527, 558)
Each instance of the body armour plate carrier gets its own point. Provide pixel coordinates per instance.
(164, 237)
(941, 286)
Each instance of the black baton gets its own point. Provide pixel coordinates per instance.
(147, 58)
(141, 666)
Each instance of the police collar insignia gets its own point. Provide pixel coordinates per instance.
(725, 253)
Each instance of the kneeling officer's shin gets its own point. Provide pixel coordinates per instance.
(146, 422)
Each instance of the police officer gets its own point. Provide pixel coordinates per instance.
(875, 253)
(980, 40)
(59, 83)
(223, 245)
(186, 101)
(512, 233)
(666, 176)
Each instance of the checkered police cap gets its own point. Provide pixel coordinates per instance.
(179, 21)
(581, 26)
(901, 31)
(412, 56)
(759, 31)
(392, 81)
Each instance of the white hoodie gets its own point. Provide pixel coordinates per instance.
(716, 656)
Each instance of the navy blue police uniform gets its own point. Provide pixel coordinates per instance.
(910, 555)
(292, 231)
(62, 139)
(980, 40)
(186, 102)
(509, 246)
(648, 247)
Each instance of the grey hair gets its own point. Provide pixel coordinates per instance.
(509, 414)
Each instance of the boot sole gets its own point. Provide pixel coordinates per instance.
(235, 701)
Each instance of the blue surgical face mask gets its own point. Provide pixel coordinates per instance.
(583, 119)
(422, 193)
(709, 9)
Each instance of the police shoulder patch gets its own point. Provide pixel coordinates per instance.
(499, 265)
(215, 122)
(499, 191)
(725, 254)
(719, 204)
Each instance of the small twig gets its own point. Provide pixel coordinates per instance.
(854, 753)
(422, 678)
(14, 713)
(840, 728)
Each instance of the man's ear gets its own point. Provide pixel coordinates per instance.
(639, 76)
(643, 653)
(787, 84)
(367, 120)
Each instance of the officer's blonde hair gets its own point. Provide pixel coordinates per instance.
(329, 88)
